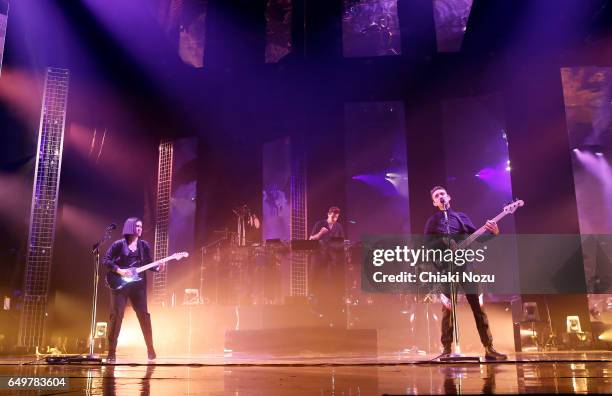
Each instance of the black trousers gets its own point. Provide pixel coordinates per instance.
(480, 316)
(136, 293)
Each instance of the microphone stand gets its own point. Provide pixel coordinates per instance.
(456, 355)
(91, 357)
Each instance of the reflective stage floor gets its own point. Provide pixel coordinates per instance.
(589, 372)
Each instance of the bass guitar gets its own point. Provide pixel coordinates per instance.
(508, 209)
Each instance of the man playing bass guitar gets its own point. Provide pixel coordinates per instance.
(457, 225)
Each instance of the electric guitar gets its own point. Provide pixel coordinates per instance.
(117, 282)
(508, 209)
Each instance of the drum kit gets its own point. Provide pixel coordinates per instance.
(236, 271)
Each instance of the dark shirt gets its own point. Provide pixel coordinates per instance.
(335, 232)
(459, 224)
(134, 258)
(119, 255)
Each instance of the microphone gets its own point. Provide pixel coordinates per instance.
(445, 210)
(106, 237)
(444, 203)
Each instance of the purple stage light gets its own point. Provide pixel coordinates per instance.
(134, 26)
(379, 182)
(597, 165)
(498, 177)
(486, 173)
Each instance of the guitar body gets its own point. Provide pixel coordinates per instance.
(114, 281)
(117, 282)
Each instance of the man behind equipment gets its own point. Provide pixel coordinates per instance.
(324, 230)
(458, 227)
(328, 277)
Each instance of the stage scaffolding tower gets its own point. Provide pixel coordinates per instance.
(162, 219)
(43, 213)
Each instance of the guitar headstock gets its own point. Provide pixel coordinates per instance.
(513, 206)
(179, 255)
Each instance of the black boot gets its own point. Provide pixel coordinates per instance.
(113, 335)
(111, 357)
(446, 351)
(492, 354)
(147, 332)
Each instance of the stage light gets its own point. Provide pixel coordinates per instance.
(596, 149)
(573, 324)
(606, 336)
(531, 312)
(191, 297)
(101, 328)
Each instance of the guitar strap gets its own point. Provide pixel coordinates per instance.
(141, 251)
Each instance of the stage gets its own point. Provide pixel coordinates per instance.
(553, 372)
(330, 197)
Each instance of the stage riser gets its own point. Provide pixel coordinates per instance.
(395, 330)
(302, 341)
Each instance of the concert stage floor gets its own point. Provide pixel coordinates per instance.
(559, 372)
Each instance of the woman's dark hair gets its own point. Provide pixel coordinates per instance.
(129, 227)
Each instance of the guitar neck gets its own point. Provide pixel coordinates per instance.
(153, 264)
(469, 240)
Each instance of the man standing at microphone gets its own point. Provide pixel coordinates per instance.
(130, 251)
(457, 226)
